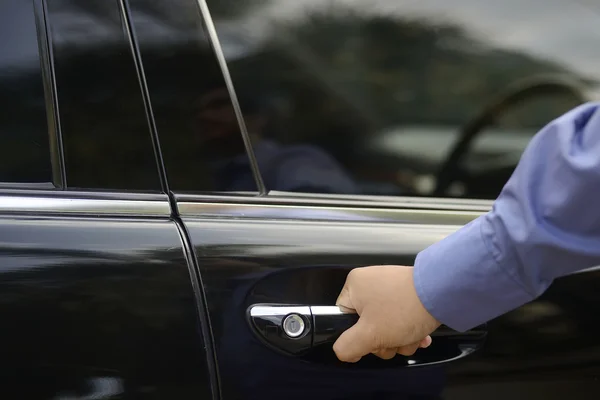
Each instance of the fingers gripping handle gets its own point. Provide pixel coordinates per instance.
(306, 331)
(296, 329)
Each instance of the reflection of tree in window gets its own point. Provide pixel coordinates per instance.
(350, 78)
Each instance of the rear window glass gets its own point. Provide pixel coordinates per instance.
(24, 140)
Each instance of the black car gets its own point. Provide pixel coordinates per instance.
(185, 184)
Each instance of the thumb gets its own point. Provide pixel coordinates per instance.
(355, 343)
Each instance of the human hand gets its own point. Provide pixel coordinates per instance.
(392, 318)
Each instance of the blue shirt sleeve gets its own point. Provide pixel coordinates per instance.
(544, 224)
(306, 168)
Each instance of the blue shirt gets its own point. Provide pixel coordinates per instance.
(293, 168)
(544, 224)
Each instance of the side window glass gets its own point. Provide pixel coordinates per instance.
(374, 97)
(25, 156)
(200, 139)
(105, 129)
(501, 135)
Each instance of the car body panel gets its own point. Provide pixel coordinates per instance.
(97, 303)
(539, 351)
(144, 296)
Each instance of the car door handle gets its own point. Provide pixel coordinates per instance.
(305, 330)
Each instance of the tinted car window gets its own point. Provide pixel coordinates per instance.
(24, 138)
(105, 130)
(371, 97)
(200, 139)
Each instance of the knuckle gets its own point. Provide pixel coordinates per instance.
(387, 354)
(340, 354)
(407, 350)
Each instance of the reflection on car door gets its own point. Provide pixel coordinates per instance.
(269, 252)
(292, 252)
(255, 248)
(97, 301)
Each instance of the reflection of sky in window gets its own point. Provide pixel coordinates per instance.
(565, 31)
(18, 40)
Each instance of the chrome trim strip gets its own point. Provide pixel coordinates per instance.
(127, 24)
(327, 310)
(464, 351)
(325, 213)
(216, 44)
(394, 201)
(276, 310)
(57, 158)
(63, 205)
(353, 201)
(28, 186)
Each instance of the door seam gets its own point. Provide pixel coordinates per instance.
(201, 301)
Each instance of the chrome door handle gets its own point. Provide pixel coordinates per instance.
(330, 322)
(297, 328)
(304, 330)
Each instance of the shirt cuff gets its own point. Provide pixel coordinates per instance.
(461, 284)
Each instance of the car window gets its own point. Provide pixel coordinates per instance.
(25, 156)
(373, 97)
(199, 133)
(103, 119)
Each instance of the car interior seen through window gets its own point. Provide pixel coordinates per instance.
(387, 97)
(24, 135)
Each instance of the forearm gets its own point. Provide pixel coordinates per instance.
(462, 284)
(544, 224)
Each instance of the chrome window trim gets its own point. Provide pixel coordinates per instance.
(194, 203)
(311, 212)
(29, 185)
(126, 15)
(84, 204)
(438, 203)
(220, 56)
(46, 51)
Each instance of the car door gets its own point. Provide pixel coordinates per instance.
(97, 298)
(301, 142)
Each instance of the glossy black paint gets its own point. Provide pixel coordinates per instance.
(98, 307)
(113, 307)
(324, 324)
(327, 328)
(269, 330)
(234, 255)
(544, 350)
